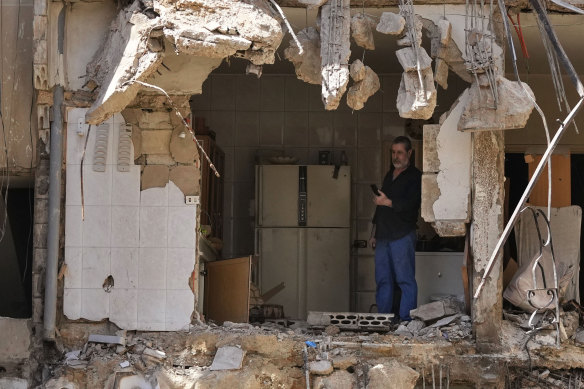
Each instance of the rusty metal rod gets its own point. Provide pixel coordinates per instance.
(527, 192)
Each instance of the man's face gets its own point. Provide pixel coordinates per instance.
(399, 156)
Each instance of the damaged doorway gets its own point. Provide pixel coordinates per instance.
(254, 120)
(16, 241)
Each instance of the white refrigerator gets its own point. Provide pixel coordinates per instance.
(303, 236)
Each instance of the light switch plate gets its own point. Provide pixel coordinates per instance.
(191, 200)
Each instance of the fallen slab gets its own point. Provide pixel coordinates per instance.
(228, 358)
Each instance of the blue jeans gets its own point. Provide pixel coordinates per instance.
(395, 262)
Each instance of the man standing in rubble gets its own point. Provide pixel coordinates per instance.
(394, 231)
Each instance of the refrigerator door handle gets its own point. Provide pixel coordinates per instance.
(259, 195)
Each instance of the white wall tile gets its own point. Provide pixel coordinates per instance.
(247, 93)
(180, 263)
(126, 186)
(271, 128)
(94, 304)
(124, 267)
(223, 93)
(179, 307)
(72, 303)
(124, 308)
(154, 197)
(96, 266)
(153, 226)
(272, 93)
(125, 226)
(176, 197)
(296, 95)
(181, 226)
(320, 127)
(97, 226)
(151, 309)
(152, 268)
(73, 185)
(247, 128)
(73, 226)
(74, 261)
(97, 186)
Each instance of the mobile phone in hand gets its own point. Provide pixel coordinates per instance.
(375, 189)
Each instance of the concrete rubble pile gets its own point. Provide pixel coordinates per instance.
(233, 355)
(189, 38)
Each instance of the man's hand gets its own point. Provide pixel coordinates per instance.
(372, 242)
(382, 200)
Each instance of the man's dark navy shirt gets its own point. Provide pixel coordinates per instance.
(405, 193)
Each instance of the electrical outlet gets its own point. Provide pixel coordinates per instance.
(191, 200)
(80, 127)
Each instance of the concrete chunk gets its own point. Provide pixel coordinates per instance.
(324, 367)
(430, 193)
(182, 147)
(407, 59)
(362, 30)
(429, 312)
(392, 375)
(391, 23)
(366, 86)
(513, 109)
(154, 176)
(337, 380)
(445, 30)
(108, 339)
(187, 179)
(155, 141)
(335, 51)
(412, 103)
(430, 163)
(228, 358)
(307, 65)
(441, 73)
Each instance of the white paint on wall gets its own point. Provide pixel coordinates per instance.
(454, 153)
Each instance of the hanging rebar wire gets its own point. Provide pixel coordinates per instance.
(300, 49)
(433, 379)
(184, 122)
(479, 42)
(554, 64)
(406, 9)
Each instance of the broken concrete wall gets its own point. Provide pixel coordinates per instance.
(176, 48)
(446, 182)
(18, 127)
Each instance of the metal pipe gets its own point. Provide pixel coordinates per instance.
(56, 160)
(527, 192)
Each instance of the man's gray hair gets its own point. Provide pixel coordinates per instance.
(404, 140)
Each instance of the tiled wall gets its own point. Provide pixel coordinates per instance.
(280, 113)
(144, 239)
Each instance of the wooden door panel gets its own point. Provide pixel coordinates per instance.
(227, 290)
